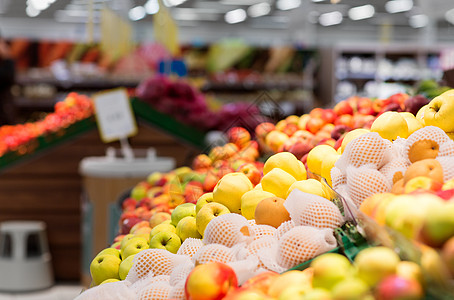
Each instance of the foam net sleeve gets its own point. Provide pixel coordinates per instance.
(190, 246)
(156, 291)
(283, 228)
(148, 280)
(177, 291)
(447, 162)
(426, 133)
(245, 269)
(114, 290)
(180, 272)
(227, 230)
(365, 181)
(312, 210)
(446, 149)
(394, 166)
(369, 148)
(337, 178)
(303, 243)
(268, 258)
(259, 231)
(154, 261)
(214, 253)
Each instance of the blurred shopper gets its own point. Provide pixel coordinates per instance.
(7, 79)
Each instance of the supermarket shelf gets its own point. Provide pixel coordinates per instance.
(183, 132)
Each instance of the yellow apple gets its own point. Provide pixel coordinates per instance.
(162, 227)
(351, 288)
(275, 139)
(329, 269)
(229, 190)
(420, 114)
(412, 122)
(125, 266)
(110, 251)
(158, 218)
(327, 165)
(375, 263)
(287, 162)
(133, 246)
(109, 280)
(350, 136)
(187, 228)
(440, 111)
(410, 270)
(311, 186)
(250, 200)
(390, 125)
(316, 156)
(289, 279)
(277, 182)
(204, 199)
(303, 121)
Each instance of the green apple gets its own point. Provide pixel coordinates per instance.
(293, 292)
(169, 221)
(110, 251)
(329, 269)
(207, 213)
(204, 199)
(158, 218)
(109, 280)
(133, 246)
(162, 227)
(317, 294)
(440, 111)
(126, 239)
(139, 192)
(125, 266)
(181, 211)
(104, 267)
(375, 263)
(438, 226)
(351, 289)
(187, 228)
(166, 240)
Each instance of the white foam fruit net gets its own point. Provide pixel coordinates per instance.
(190, 246)
(446, 149)
(283, 228)
(393, 167)
(303, 243)
(114, 290)
(155, 262)
(156, 291)
(265, 242)
(432, 133)
(214, 253)
(368, 148)
(148, 280)
(227, 230)
(312, 210)
(448, 167)
(177, 291)
(337, 178)
(365, 181)
(180, 272)
(245, 269)
(259, 231)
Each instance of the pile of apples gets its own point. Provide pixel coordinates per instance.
(376, 273)
(299, 135)
(72, 109)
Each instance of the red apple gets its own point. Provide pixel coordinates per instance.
(447, 195)
(127, 224)
(245, 294)
(290, 129)
(343, 108)
(346, 120)
(327, 141)
(201, 161)
(129, 203)
(338, 143)
(414, 104)
(261, 282)
(210, 281)
(397, 288)
(339, 131)
(304, 135)
(329, 115)
(192, 191)
(263, 129)
(239, 136)
(313, 125)
(379, 104)
(251, 172)
(297, 147)
(316, 113)
(211, 179)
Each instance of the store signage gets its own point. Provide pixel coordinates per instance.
(114, 115)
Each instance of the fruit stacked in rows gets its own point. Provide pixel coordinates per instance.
(73, 108)
(299, 135)
(376, 273)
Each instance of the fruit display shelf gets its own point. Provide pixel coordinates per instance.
(44, 142)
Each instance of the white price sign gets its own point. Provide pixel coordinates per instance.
(114, 115)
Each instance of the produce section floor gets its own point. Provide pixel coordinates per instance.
(56, 292)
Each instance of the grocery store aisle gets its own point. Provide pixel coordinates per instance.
(57, 292)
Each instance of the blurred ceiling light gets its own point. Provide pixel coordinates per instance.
(32, 11)
(235, 16)
(418, 21)
(259, 9)
(317, 0)
(240, 2)
(39, 4)
(331, 18)
(397, 6)
(170, 3)
(151, 7)
(449, 16)
(361, 12)
(137, 13)
(288, 4)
